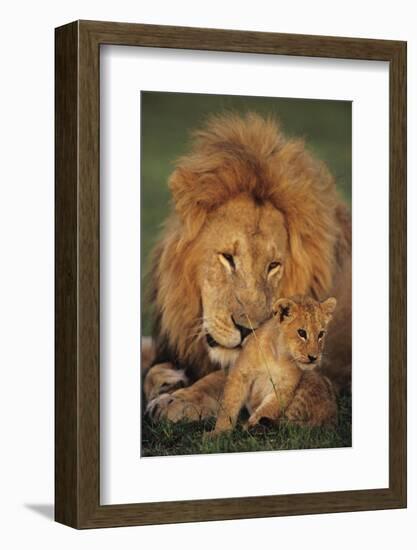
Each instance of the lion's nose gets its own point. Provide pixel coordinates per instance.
(312, 358)
(244, 331)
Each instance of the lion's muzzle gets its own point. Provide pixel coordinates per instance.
(211, 341)
(244, 331)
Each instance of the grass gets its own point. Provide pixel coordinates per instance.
(185, 438)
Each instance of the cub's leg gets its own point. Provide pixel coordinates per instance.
(235, 395)
(196, 402)
(273, 404)
(269, 408)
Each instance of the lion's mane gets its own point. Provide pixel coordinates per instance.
(230, 156)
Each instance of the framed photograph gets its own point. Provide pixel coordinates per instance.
(230, 274)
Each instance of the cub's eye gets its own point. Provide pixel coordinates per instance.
(273, 265)
(229, 259)
(321, 334)
(302, 333)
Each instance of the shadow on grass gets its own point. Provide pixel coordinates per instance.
(186, 438)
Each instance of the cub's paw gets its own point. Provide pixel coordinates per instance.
(253, 421)
(173, 408)
(259, 424)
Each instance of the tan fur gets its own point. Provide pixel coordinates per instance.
(314, 402)
(162, 378)
(246, 191)
(199, 401)
(270, 368)
(147, 354)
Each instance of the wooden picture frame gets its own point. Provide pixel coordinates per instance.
(77, 374)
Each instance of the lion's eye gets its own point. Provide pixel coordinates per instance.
(302, 333)
(229, 259)
(321, 334)
(273, 265)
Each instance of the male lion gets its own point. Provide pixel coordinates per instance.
(256, 218)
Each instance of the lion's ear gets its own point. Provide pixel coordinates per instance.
(284, 310)
(328, 307)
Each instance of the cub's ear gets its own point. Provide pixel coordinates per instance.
(328, 307)
(284, 310)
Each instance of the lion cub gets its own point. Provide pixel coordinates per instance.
(274, 375)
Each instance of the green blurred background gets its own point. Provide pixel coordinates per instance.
(168, 119)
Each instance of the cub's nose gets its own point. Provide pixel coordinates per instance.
(312, 358)
(244, 331)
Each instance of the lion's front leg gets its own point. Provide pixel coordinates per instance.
(196, 402)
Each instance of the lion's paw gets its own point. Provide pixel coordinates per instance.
(163, 378)
(173, 408)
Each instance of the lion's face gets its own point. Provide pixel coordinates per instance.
(244, 250)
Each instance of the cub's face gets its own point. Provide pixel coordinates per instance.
(244, 250)
(303, 328)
